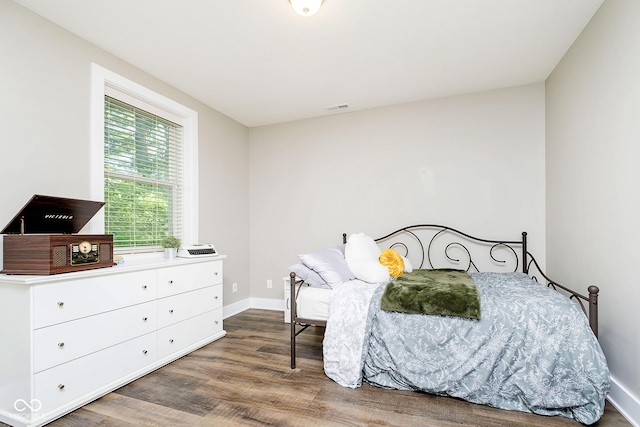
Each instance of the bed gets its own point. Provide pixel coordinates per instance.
(533, 348)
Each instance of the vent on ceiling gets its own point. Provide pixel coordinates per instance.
(339, 107)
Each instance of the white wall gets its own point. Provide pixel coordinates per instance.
(593, 201)
(474, 162)
(45, 133)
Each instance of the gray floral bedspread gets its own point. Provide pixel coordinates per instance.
(531, 351)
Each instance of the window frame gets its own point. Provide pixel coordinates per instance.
(101, 79)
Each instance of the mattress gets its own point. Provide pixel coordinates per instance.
(313, 303)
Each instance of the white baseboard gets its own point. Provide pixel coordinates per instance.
(625, 402)
(245, 304)
(235, 308)
(267, 304)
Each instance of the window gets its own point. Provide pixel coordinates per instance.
(144, 164)
(142, 176)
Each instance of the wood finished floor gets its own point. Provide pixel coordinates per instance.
(244, 379)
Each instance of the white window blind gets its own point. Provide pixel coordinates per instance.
(143, 174)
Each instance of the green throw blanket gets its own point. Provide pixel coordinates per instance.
(443, 292)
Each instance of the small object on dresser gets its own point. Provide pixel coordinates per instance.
(197, 251)
(171, 245)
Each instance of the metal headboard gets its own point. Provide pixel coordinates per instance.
(427, 246)
(522, 259)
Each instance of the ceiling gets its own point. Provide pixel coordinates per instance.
(260, 63)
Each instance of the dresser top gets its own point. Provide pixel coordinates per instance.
(131, 263)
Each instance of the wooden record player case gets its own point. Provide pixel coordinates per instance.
(31, 247)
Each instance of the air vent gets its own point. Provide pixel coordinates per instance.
(337, 107)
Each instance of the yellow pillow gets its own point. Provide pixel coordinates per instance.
(391, 259)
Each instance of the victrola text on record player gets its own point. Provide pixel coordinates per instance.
(42, 238)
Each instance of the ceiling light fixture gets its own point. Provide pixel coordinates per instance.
(306, 7)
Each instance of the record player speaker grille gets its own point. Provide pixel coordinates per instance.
(59, 256)
(105, 252)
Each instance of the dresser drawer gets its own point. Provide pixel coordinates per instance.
(61, 343)
(184, 278)
(60, 302)
(181, 335)
(64, 383)
(189, 304)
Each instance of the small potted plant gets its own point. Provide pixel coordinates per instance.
(171, 245)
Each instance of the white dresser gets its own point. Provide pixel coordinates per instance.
(68, 339)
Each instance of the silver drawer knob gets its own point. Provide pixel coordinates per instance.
(61, 386)
(215, 273)
(216, 297)
(144, 286)
(144, 319)
(171, 311)
(171, 282)
(144, 351)
(60, 344)
(216, 322)
(171, 340)
(60, 303)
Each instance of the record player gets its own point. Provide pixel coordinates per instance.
(42, 238)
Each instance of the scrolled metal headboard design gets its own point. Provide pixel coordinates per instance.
(461, 241)
(533, 269)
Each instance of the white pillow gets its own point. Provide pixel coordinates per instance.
(363, 258)
(308, 275)
(408, 268)
(329, 264)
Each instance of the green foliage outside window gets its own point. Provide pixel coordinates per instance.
(141, 176)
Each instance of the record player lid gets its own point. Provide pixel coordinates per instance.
(53, 215)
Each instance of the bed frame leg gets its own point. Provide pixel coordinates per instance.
(293, 323)
(525, 261)
(593, 309)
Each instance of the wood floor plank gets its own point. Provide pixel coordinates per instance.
(137, 412)
(244, 379)
(172, 390)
